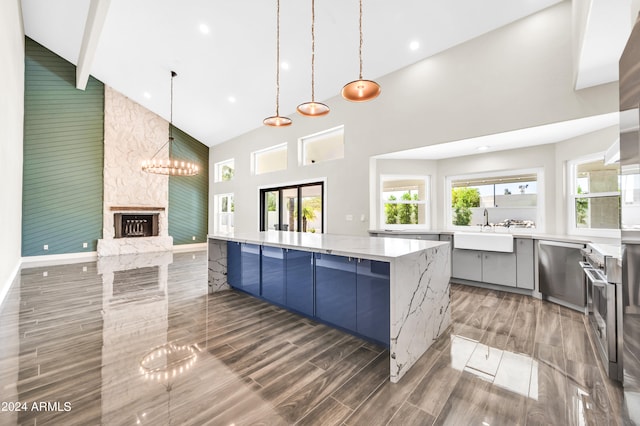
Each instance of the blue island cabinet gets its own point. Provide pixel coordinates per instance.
(273, 274)
(243, 267)
(336, 290)
(299, 281)
(372, 303)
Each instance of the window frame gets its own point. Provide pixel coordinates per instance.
(217, 198)
(217, 169)
(540, 191)
(314, 137)
(572, 195)
(427, 202)
(254, 162)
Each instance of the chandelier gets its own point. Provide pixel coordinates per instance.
(169, 166)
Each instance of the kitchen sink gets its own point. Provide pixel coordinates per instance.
(484, 241)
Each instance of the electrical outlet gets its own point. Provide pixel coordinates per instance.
(349, 217)
(84, 269)
(46, 247)
(193, 238)
(85, 245)
(45, 273)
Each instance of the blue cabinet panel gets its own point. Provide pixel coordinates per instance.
(234, 270)
(299, 281)
(273, 274)
(372, 305)
(250, 254)
(336, 290)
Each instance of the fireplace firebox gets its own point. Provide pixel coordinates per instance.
(135, 225)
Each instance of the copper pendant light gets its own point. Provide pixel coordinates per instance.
(361, 90)
(313, 108)
(169, 166)
(277, 120)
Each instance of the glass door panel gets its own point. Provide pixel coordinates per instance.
(311, 208)
(271, 212)
(290, 211)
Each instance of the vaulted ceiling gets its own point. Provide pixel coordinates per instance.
(225, 51)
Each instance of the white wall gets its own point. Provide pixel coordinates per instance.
(11, 135)
(11, 124)
(516, 77)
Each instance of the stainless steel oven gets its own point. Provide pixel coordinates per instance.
(604, 293)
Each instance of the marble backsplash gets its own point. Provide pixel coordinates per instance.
(132, 134)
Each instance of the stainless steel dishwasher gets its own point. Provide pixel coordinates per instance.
(561, 279)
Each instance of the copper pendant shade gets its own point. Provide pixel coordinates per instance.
(313, 108)
(169, 166)
(277, 120)
(361, 90)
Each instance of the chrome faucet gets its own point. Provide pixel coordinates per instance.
(486, 218)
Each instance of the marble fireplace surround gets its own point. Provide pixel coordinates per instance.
(132, 134)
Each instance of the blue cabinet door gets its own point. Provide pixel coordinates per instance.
(234, 270)
(372, 307)
(273, 274)
(336, 290)
(250, 255)
(299, 281)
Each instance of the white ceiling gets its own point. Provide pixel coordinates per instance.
(143, 40)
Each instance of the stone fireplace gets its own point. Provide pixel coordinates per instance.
(132, 134)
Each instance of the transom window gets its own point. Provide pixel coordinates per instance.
(323, 146)
(268, 160)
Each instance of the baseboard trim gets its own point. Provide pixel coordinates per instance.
(12, 278)
(58, 259)
(189, 247)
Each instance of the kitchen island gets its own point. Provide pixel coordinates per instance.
(392, 291)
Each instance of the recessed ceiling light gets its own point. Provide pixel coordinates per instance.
(483, 148)
(284, 65)
(147, 95)
(414, 45)
(204, 29)
(232, 99)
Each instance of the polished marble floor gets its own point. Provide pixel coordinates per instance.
(136, 340)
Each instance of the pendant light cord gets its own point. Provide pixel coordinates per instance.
(360, 50)
(313, 49)
(278, 60)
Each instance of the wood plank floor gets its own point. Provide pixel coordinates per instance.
(148, 345)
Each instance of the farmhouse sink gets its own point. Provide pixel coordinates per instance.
(483, 241)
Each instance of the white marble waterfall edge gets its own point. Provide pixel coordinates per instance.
(217, 264)
(420, 305)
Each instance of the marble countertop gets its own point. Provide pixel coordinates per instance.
(372, 248)
(529, 235)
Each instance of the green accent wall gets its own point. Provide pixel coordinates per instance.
(63, 157)
(189, 196)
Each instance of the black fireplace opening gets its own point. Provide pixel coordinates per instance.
(135, 225)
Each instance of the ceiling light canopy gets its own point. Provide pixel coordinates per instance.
(313, 108)
(169, 166)
(361, 90)
(277, 120)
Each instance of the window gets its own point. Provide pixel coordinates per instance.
(296, 208)
(404, 201)
(224, 170)
(594, 196)
(324, 146)
(223, 207)
(511, 199)
(270, 159)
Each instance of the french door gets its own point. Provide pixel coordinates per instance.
(295, 208)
